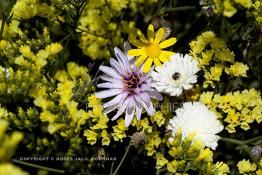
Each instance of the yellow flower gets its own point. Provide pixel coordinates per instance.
(245, 166)
(259, 172)
(106, 139)
(90, 136)
(119, 130)
(158, 118)
(47, 116)
(43, 103)
(150, 48)
(53, 48)
(221, 168)
(10, 169)
(229, 10)
(76, 71)
(53, 127)
(160, 161)
(174, 165)
(244, 3)
(206, 155)
(237, 69)
(3, 44)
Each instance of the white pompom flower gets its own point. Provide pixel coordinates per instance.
(198, 119)
(175, 75)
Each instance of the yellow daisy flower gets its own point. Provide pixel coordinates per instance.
(149, 50)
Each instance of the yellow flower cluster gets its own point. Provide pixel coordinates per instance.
(237, 108)
(229, 8)
(58, 106)
(10, 30)
(119, 130)
(26, 59)
(215, 60)
(39, 59)
(153, 143)
(248, 168)
(100, 28)
(189, 155)
(257, 12)
(25, 9)
(98, 129)
(8, 144)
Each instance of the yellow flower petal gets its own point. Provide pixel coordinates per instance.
(167, 43)
(164, 57)
(135, 52)
(141, 36)
(167, 53)
(159, 35)
(135, 42)
(147, 65)
(157, 62)
(150, 33)
(140, 60)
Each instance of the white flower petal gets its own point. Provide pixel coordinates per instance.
(196, 117)
(185, 66)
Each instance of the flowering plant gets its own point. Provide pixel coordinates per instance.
(152, 87)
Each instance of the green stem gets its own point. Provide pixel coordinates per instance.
(111, 169)
(158, 9)
(184, 8)
(38, 166)
(240, 142)
(123, 158)
(234, 141)
(2, 26)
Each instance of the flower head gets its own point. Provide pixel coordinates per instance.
(198, 119)
(130, 86)
(149, 49)
(175, 75)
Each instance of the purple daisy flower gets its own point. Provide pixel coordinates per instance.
(130, 86)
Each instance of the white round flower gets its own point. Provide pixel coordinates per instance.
(196, 117)
(175, 75)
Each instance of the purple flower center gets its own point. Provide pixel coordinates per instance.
(131, 82)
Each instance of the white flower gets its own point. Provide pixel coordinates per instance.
(196, 117)
(175, 75)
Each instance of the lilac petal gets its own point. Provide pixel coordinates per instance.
(108, 93)
(121, 109)
(110, 71)
(137, 90)
(142, 79)
(117, 66)
(108, 78)
(129, 117)
(111, 85)
(122, 59)
(149, 109)
(110, 109)
(155, 94)
(145, 87)
(138, 99)
(146, 98)
(118, 99)
(138, 111)
(131, 105)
